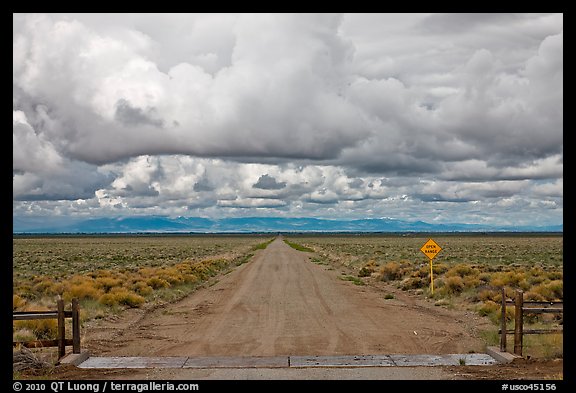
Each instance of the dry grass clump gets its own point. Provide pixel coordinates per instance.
(462, 270)
(555, 275)
(157, 283)
(391, 271)
(507, 278)
(488, 307)
(453, 285)
(549, 291)
(493, 311)
(42, 284)
(190, 278)
(121, 296)
(368, 269)
(484, 277)
(107, 283)
(439, 268)
(532, 296)
(142, 288)
(81, 291)
(488, 294)
(413, 283)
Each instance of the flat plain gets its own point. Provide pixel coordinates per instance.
(330, 294)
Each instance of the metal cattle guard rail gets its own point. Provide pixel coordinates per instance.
(60, 315)
(520, 309)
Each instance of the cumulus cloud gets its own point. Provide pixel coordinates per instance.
(297, 114)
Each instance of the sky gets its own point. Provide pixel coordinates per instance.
(444, 118)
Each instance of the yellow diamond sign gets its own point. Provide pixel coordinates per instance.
(430, 249)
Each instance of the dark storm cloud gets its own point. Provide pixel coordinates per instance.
(267, 182)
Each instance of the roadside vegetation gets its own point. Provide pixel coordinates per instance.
(110, 274)
(468, 273)
(298, 247)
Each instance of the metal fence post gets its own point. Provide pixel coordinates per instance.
(518, 322)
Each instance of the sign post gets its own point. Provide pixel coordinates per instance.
(430, 249)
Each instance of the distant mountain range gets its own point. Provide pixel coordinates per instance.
(161, 224)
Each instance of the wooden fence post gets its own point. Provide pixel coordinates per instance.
(61, 329)
(518, 322)
(75, 326)
(503, 323)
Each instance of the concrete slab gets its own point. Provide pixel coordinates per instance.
(75, 358)
(237, 362)
(502, 357)
(341, 361)
(134, 362)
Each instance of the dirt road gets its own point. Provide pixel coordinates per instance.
(280, 303)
